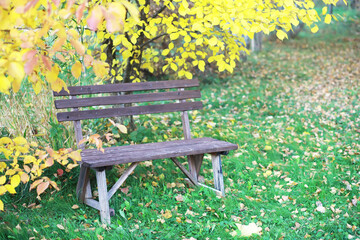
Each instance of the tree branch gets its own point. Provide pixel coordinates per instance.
(159, 11)
(153, 39)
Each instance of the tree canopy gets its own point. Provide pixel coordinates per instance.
(120, 39)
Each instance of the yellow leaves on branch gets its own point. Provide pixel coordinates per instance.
(27, 28)
(28, 163)
(38, 32)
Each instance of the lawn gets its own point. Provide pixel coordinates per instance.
(294, 111)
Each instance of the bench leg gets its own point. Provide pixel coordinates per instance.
(195, 162)
(83, 188)
(218, 175)
(103, 197)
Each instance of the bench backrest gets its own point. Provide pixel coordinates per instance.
(151, 95)
(74, 102)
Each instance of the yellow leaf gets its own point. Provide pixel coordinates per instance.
(5, 140)
(167, 214)
(315, 29)
(15, 181)
(4, 84)
(327, 19)
(173, 36)
(115, 17)
(173, 67)
(213, 41)
(37, 87)
(10, 172)
(75, 156)
(2, 180)
(281, 34)
(42, 187)
(1, 205)
(201, 65)
(134, 12)
(53, 74)
(76, 69)
(2, 190)
(20, 141)
(16, 70)
(122, 128)
(188, 75)
(267, 148)
(324, 10)
(54, 185)
(267, 173)
(71, 166)
(10, 189)
(58, 85)
(29, 159)
(100, 69)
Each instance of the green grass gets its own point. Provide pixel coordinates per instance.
(301, 98)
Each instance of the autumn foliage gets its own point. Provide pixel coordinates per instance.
(134, 37)
(27, 162)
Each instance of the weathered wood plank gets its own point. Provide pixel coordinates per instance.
(183, 169)
(103, 200)
(121, 180)
(151, 151)
(123, 99)
(127, 87)
(95, 204)
(128, 149)
(215, 190)
(218, 174)
(83, 188)
(127, 111)
(77, 128)
(198, 164)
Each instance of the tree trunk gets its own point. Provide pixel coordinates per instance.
(330, 8)
(256, 42)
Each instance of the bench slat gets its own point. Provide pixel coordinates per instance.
(127, 111)
(88, 153)
(127, 87)
(123, 99)
(151, 151)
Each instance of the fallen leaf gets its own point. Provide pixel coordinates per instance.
(60, 172)
(125, 190)
(320, 207)
(167, 214)
(267, 148)
(60, 227)
(248, 230)
(179, 198)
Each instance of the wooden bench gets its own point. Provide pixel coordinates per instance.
(194, 149)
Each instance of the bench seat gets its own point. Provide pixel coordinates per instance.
(150, 151)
